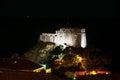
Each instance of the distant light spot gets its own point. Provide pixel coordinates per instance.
(28, 16)
(15, 61)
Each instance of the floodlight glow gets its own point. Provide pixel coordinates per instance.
(66, 37)
(44, 65)
(48, 70)
(83, 39)
(93, 72)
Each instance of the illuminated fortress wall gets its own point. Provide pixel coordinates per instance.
(67, 37)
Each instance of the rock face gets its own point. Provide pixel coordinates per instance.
(39, 53)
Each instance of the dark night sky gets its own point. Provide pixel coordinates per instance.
(53, 8)
(19, 32)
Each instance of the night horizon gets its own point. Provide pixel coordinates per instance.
(22, 23)
(98, 30)
(20, 39)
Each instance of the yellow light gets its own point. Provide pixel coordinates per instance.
(93, 72)
(107, 73)
(48, 70)
(79, 58)
(38, 69)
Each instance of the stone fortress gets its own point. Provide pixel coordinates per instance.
(75, 37)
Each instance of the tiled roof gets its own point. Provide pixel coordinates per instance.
(17, 64)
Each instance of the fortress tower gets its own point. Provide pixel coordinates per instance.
(75, 37)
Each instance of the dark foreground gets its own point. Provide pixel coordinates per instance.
(13, 75)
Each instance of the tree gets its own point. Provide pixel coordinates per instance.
(95, 58)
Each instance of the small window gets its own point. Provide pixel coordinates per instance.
(55, 35)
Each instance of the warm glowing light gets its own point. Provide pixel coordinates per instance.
(93, 72)
(104, 72)
(79, 58)
(48, 70)
(107, 72)
(79, 73)
(38, 69)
